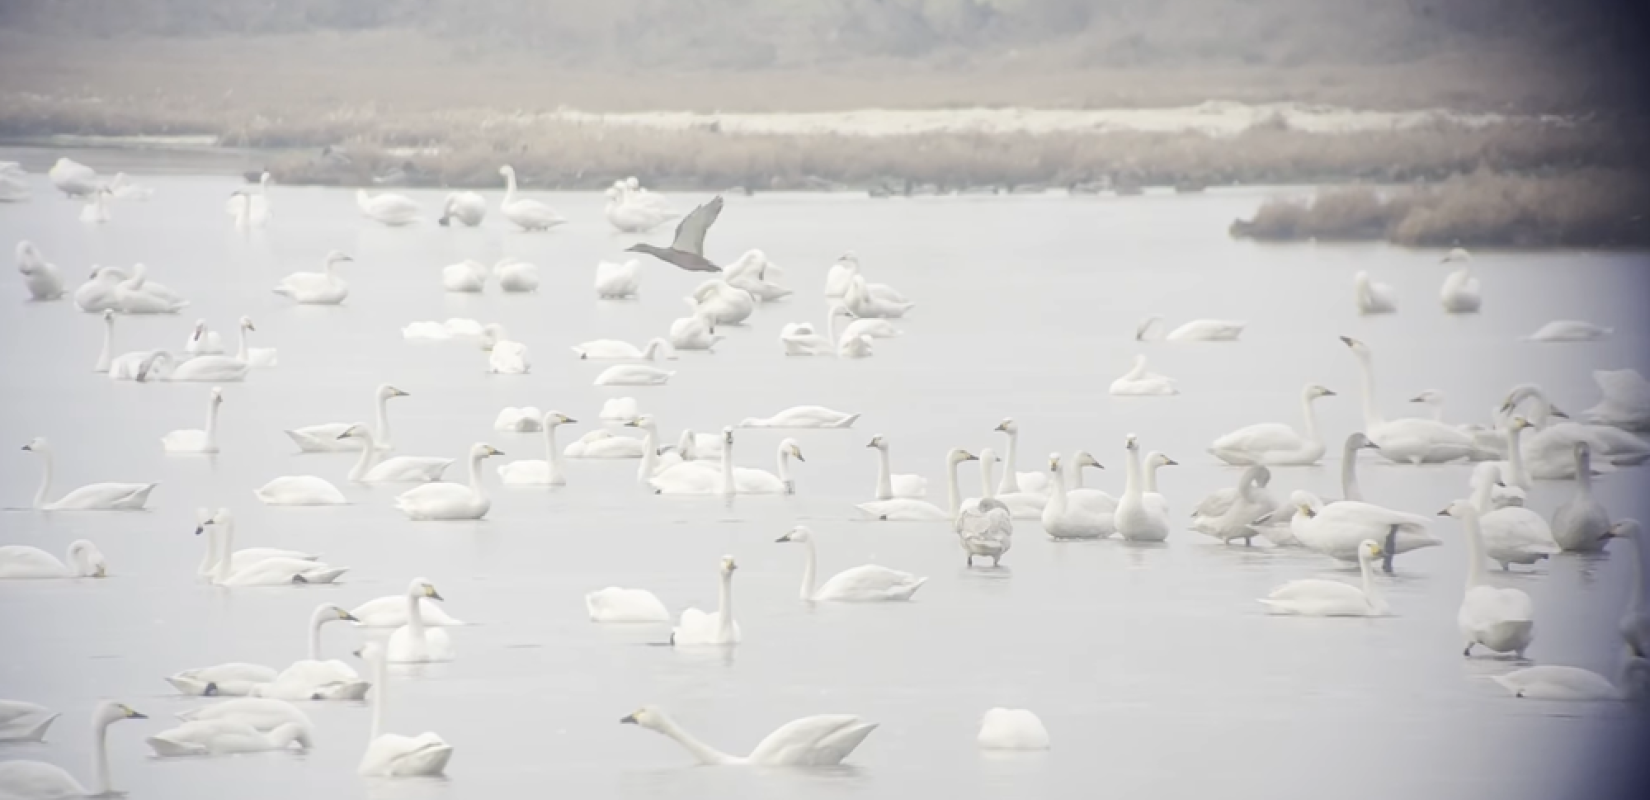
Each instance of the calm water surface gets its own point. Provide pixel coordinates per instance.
(1153, 667)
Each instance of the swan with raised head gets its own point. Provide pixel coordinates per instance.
(203, 340)
(803, 417)
(1569, 330)
(1139, 382)
(627, 214)
(238, 559)
(300, 490)
(613, 349)
(700, 477)
(549, 472)
(1136, 519)
(329, 437)
(248, 209)
(450, 501)
(21, 562)
(254, 356)
(1021, 505)
(314, 678)
(1274, 443)
(1317, 597)
(616, 281)
(1581, 524)
(39, 275)
(1063, 519)
(38, 780)
(388, 208)
(655, 462)
(467, 276)
(696, 332)
(1154, 498)
(1336, 529)
(268, 570)
(614, 604)
(986, 530)
(24, 722)
(508, 358)
(716, 628)
(889, 485)
(1513, 534)
(907, 509)
(400, 469)
(317, 288)
(1373, 297)
(1410, 440)
(416, 642)
(390, 611)
(818, 741)
(73, 178)
(91, 497)
(863, 584)
(391, 755)
(724, 303)
(633, 375)
(1011, 729)
(525, 213)
(1548, 451)
(1500, 619)
(1198, 330)
(1094, 500)
(198, 441)
(1228, 514)
(1013, 480)
(468, 208)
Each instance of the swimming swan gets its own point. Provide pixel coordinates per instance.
(24, 722)
(907, 509)
(823, 740)
(1316, 597)
(1063, 519)
(616, 281)
(92, 496)
(400, 469)
(37, 780)
(613, 349)
(1014, 481)
(1337, 529)
(313, 678)
(238, 559)
(254, 356)
(300, 490)
(529, 215)
(218, 737)
(1138, 382)
(614, 604)
(269, 570)
(390, 611)
(329, 437)
(450, 501)
(317, 288)
(21, 562)
(1411, 440)
(1581, 524)
(1136, 519)
(1502, 620)
(1559, 683)
(633, 375)
(198, 441)
(890, 486)
(1011, 729)
(803, 417)
(391, 755)
(1198, 330)
(1511, 535)
(700, 477)
(862, 584)
(549, 472)
(1569, 330)
(388, 208)
(235, 679)
(1274, 443)
(415, 642)
(1373, 297)
(717, 628)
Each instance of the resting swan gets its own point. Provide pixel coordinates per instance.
(219, 737)
(1137, 519)
(1581, 524)
(1411, 440)
(1559, 683)
(1198, 330)
(238, 559)
(700, 477)
(1626, 400)
(415, 642)
(1228, 514)
(38, 780)
(401, 469)
(317, 288)
(198, 441)
(803, 417)
(724, 303)
(450, 501)
(388, 208)
(39, 275)
(391, 755)
(467, 276)
(300, 490)
(549, 472)
(1511, 535)
(91, 497)
(527, 214)
(613, 349)
(313, 678)
(270, 569)
(329, 438)
(866, 303)
(1316, 597)
(696, 332)
(265, 714)
(1274, 443)
(633, 375)
(1013, 480)
(466, 207)
(603, 444)
(889, 485)
(1064, 519)
(906, 509)
(1138, 382)
(1373, 297)
(21, 562)
(719, 628)
(866, 583)
(1569, 330)
(616, 281)
(508, 358)
(1337, 529)
(614, 604)
(823, 740)
(1011, 729)
(1461, 293)
(1502, 620)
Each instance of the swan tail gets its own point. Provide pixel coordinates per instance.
(322, 575)
(38, 732)
(168, 748)
(852, 418)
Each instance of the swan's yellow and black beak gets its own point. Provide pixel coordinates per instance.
(628, 719)
(200, 529)
(1348, 341)
(1169, 462)
(430, 592)
(632, 424)
(132, 713)
(1444, 513)
(346, 616)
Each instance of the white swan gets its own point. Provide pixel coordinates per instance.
(633, 375)
(124, 188)
(98, 292)
(627, 214)
(1569, 330)
(1581, 524)
(1514, 534)
(1635, 621)
(613, 349)
(865, 302)
(840, 274)
(1153, 498)
(329, 437)
(750, 273)
(96, 209)
(1461, 293)
(1228, 514)
(37, 780)
(198, 441)
(696, 332)
(700, 477)
(162, 366)
(508, 358)
(14, 183)
(717, 628)
(391, 755)
(616, 281)
(529, 215)
(1063, 519)
(1559, 683)
(614, 604)
(21, 562)
(803, 417)
(390, 611)
(466, 207)
(1021, 505)
(518, 420)
(986, 530)
(1138, 382)
(92, 496)
(73, 178)
(1500, 619)
(238, 559)
(300, 490)
(388, 208)
(1548, 452)
(800, 338)
(268, 570)
(1410, 440)
(1316, 597)
(139, 295)
(1373, 297)
(24, 722)
(890, 486)
(263, 713)
(317, 288)
(254, 356)
(1336, 529)
(203, 340)
(415, 642)
(516, 276)
(1136, 519)
(314, 678)
(817, 741)
(1198, 330)
(1011, 729)
(620, 409)
(1274, 443)
(466, 276)
(248, 209)
(723, 303)
(862, 584)
(1096, 501)
(1014, 481)
(218, 737)
(234, 679)
(604, 444)
(450, 501)
(39, 275)
(400, 469)
(907, 509)
(540, 473)
(1626, 401)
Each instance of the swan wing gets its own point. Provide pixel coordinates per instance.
(1255, 441)
(820, 740)
(869, 582)
(903, 509)
(408, 468)
(1216, 504)
(690, 232)
(106, 496)
(1318, 597)
(688, 477)
(909, 485)
(21, 561)
(755, 481)
(614, 604)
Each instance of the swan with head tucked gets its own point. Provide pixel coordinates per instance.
(750, 273)
(98, 292)
(1461, 292)
(633, 375)
(1581, 524)
(549, 472)
(467, 276)
(1569, 330)
(817, 741)
(300, 490)
(391, 755)
(162, 366)
(38, 780)
(525, 419)
(1500, 619)
(527, 214)
(1373, 297)
(1011, 729)
(863, 584)
(508, 358)
(614, 604)
(800, 338)
(907, 509)
(865, 302)
(263, 713)
(1411, 440)
(696, 332)
(620, 409)
(73, 178)
(416, 642)
(986, 530)
(1137, 519)
(238, 559)
(1513, 534)
(723, 302)
(230, 568)
(317, 288)
(717, 628)
(1336, 529)
(91, 497)
(468, 208)
(219, 737)
(616, 281)
(1198, 330)
(1572, 684)
(604, 444)
(1064, 519)
(516, 276)
(21, 562)
(24, 722)
(198, 441)
(329, 437)
(1316, 597)
(450, 501)
(400, 469)
(1274, 443)
(388, 208)
(39, 275)
(234, 679)
(1626, 400)
(1138, 382)
(1228, 514)
(803, 417)
(889, 485)
(615, 350)
(314, 678)
(139, 295)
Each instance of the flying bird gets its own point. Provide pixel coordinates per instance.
(687, 250)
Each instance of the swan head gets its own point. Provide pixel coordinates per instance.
(1520, 423)
(1358, 441)
(554, 418)
(1431, 397)
(1083, 459)
(484, 450)
(1131, 442)
(1460, 509)
(1626, 528)
(1357, 346)
(959, 455)
(1369, 549)
(507, 170)
(646, 717)
(800, 533)
(728, 565)
(328, 612)
(1145, 327)
(386, 391)
(644, 421)
(1306, 502)
(849, 259)
(110, 713)
(1159, 460)
(357, 431)
(88, 560)
(727, 436)
(1053, 462)
(109, 315)
(878, 442)
(264, 179)
(1361, 278)
(217, 395)
(793, 449)
(1007, 426)
(37, 445)
(1315, 391)
(1456, 255)
(421, 587)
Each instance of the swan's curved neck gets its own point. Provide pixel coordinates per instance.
(380, 688)
(1349, 474)
(510, 187)
(100, 757)
(705, 753)
(553, 455)
(1137, 371)
(1366, 381)
(240, 354)
(724, 610)
(885, 480)
(316, 620)
(1011, 481)
(1132, 481)
(727, 468)
(808, 567)
(107, 353)
(1367, 577)
(415, 614)
(212, 423)
(785, 469)
(1310, 413)
(382, 434)
(45, 479)
(1584, 474)
(1515, 456)
(953, 494)
(1475, 549)
(475, 476)
(364, 464)
(225, 531)
(1057, 497)
(650, 455)
(1076, 476)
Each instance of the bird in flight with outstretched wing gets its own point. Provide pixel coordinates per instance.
(687, 250)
